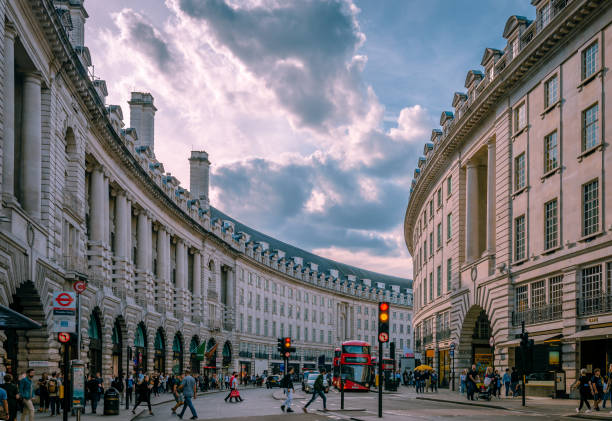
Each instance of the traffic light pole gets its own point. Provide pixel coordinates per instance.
(380, 377)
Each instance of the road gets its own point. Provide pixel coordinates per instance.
(259, 404)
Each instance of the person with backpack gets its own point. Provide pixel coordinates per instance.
(583, 384)
(319, 390)
(287, 384)
(53, 388)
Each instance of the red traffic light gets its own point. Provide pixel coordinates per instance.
(63, 337)
(287, 343)
(383, 306)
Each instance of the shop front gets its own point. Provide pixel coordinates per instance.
(140, 349)
(444, 368)
(544, 365)
(159, 350)
(429, 357)
(245, 370)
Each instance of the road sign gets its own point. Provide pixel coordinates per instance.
(383, 337)
(63, 337)
(64, 325)
(64, 303)
(79, 287)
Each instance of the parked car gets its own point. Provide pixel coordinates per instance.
(273, 381)
(309, 384)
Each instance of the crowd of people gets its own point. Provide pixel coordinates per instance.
(596, 387)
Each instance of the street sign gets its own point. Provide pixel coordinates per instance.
(63, 337)
(79, 287)
(64, 326)
(383, 337)
(39, 364)
(64, 303)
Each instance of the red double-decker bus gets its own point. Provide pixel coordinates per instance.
(356, 362)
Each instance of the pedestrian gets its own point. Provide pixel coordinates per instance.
(4, 408)
(143, 393)
(53, 387)
(583, 386)
(129, 388)
(234, 393)
(463, 379)
(608, 387)
(178, 396)
(506, 381)
(43, 393)
(596, 384)
(26, 391)
(12, 392)
(188, 386)
(471, 380)
(93, 393)
(319, 390)
(405, 378)
(497, 391)
(434, 381)
(514, 380)
(287, 384)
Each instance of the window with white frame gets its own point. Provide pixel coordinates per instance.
(590, 127)
(544, 15)
(439, 197)
(555, 293)
(439, 234)
(519, 238)
(430, 286)
(590, 208)
(431, 212)
(538, 294)
(551, 153)
(431, 244)
(449, 186)
(551, 91)
(520, 117)
(591, 290)
(519, 172)
(439, 279)
(589, 60)
(522, 298)
(551, 228)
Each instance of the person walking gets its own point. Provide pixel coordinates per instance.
(43, 393)
(506, 381)
(53, 387)
(12, 392)
(514, 381)
(26, 391)
(188, 386)
(129, 388)
(583, 386)
(287, 384)
(93, 392)
(608, 387)
(4, 408)
(143, 393)
(177, 394)
(319, 390)
(234, 393)
(463, 383)
(471, 380)
(596, 384)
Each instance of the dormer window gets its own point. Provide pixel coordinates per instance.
(515, 47)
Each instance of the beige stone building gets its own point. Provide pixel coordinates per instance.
(85, 198)
(509, 218)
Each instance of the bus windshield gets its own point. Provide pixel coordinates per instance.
(356, 349)
(357, 373)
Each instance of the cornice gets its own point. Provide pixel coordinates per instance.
(570, 20)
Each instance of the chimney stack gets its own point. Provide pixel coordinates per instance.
(142, 118)
(199, 173)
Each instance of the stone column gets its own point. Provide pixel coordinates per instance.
(121, 226)
(161, 253)
(149, 243)
(471, 214)
(31, 165)
(128, 230)
(491, 197)
(8, 147)
(96, 206)
(181, 258)
(106, 205)
(197, 276)
(142, 227)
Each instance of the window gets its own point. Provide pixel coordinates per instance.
(439, 197)
(250, 324)
(520, 118)
(591, 289)
(265, 327)
(519, 172)
(538, 294)
(551, 91)
(590, 127)
(449, 273)
(449, 226)
(555, 292)
(521, 298)
(430, 286)
(590, 208)
(550, 225)
(491, 73)
(519, 238)
(551, 154)
(425, 290)
(544, 15)
(589, 60)
(439, 235)
(257, 325)
(449, 186)
(431, 244)
(439, 279)
(329, 337)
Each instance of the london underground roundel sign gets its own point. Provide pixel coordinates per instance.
(383, 337)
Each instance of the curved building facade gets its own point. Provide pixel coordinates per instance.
(508, 220)
(84, 198)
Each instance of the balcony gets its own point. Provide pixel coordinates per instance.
(75, 266)
(443, 334)
(535, 315)
(245, 354)
(597, 303)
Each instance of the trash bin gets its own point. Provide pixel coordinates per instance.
(111, 402)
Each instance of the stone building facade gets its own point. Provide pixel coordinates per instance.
(509, 216)
(85, 198)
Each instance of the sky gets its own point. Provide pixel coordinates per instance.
(313, 112)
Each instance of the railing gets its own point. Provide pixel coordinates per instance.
(535, 315)
(71, 201)
(276, 356)
(119, 291)
(443, 334)
(594, 304)
(261, 355)
(245, 354)
(75, 264)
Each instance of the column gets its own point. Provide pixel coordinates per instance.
(181, 257)
(141, 258)
(197, 275)
(106, 205)
(471, 214)
(121, 226)
(149, 243)
(8, 147)
(31, 165)
(230, 287)
(491, 196)
(96, 200)
(128, 227)
(161, 253)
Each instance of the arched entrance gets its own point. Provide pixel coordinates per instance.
(159, 359)
(227, 355)
(177, 353)
(474, 345)
(211, 356)
(94, 354)
(117, 350)
(140, 348)
(194, 362)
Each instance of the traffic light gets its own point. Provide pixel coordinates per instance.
(286, 343)
(286, 348)
(392, 350)
(383, 321)
(281, 345)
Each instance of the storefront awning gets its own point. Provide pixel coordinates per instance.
(600, 332)
(536, 338)
(10, 319)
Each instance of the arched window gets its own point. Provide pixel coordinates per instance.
(159, 359)
(482, 330)
(194, 361)
(117, 341)
(140, 348)
(94, 354)
(177, 354)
